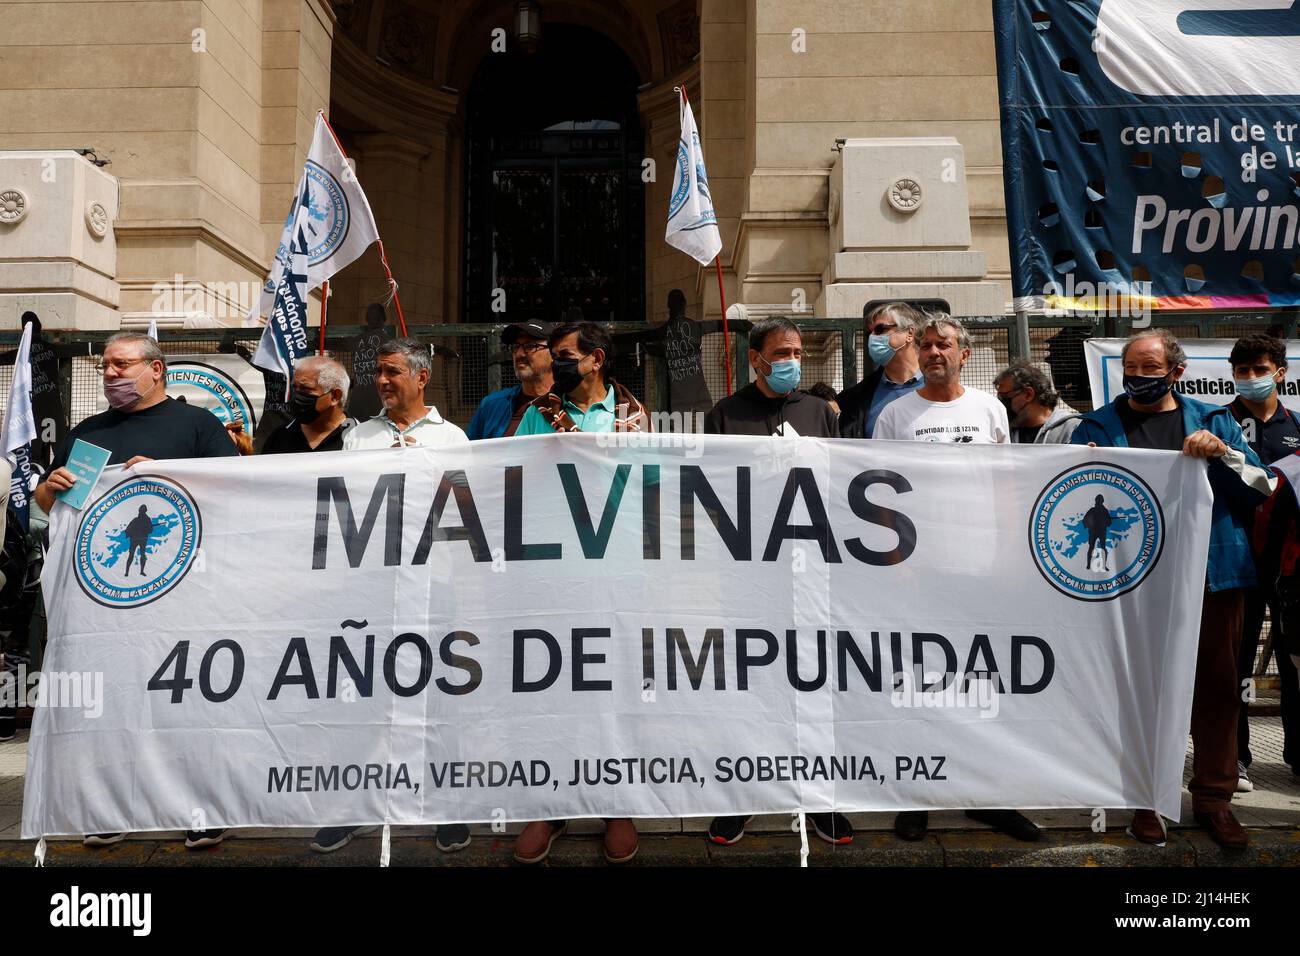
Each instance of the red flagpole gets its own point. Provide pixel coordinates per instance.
(392, 284)
(324, 310)
(726, 337)
(722, 300)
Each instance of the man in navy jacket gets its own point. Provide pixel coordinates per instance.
(1150, 414)
(499, 414)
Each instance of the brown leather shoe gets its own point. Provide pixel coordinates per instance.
(621, 841)
(1147, 827)
(534, 842)
(1223, 829)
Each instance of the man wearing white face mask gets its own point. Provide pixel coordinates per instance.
(142, 424)
(891, 346)
(773, 405)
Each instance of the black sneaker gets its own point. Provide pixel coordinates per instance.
(912, 825)
(102, 839)
(198, 839)
(329, 839)
(451, 837)
(834, 828)
(725, 831)
(1011, 822)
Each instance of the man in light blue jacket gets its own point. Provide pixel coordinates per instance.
(499, 414)
(1150, 414)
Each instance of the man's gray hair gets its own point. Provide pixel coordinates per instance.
(417, 354)
(149, 349)
(943, 323)
(1174, 354)
(1025, 374)
(905, 317)
(329, 374)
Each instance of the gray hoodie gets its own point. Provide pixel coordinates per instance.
(1058, 428)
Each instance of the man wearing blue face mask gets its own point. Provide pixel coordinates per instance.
(1273, 433)
(1150, 414)
(773, 405)
(891, 346)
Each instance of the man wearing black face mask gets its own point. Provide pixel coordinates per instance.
(1151, 415)
(320, 392)
(583, 396)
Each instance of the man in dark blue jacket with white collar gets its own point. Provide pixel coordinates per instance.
(1150, 414)
(499, 414)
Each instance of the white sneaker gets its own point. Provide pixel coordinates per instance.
(1243, 781)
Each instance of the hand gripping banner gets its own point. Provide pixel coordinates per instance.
(632, 625)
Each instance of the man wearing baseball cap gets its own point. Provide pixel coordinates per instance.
(499, 414)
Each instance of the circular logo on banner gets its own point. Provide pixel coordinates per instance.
(1096, 532)
(683, 181)
(327, 215)
(211, 388)
(137, 542)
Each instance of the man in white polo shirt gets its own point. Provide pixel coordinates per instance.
(402, 368)
(401, 374)
(942, 410)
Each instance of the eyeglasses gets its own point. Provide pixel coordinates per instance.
(120, 365)
(882, 329)
(528, 348)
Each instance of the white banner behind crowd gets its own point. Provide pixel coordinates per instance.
(1207, 377)
(566, 626)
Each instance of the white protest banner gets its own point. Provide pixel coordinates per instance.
(223, 383)
(644, 625)
(1207, 377)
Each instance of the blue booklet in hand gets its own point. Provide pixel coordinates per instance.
(87, 462)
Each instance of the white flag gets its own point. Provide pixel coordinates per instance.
(284, 337)
(692, 226)
(153, 329)
(338, 223)
(20, 423)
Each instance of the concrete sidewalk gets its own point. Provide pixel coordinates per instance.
(1271, 812)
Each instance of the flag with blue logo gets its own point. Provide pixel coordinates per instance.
(692, 225)
(284, 337)
(20, 429)
(1151, 152)
(338, 225)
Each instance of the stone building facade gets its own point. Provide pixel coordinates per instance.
(467, 119)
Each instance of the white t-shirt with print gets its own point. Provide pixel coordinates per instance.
(975, 417)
